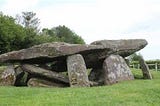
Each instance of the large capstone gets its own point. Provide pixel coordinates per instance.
(57, 52)
(49, 52)
(77, 71)
(116, 70)
(123, 48)
(8, 77)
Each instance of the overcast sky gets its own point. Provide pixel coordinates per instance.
(98, 19)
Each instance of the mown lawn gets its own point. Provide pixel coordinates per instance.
(138, 92)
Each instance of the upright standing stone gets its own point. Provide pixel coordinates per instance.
(77, 71)
(116, 70)
(145, 69)
(8, 76)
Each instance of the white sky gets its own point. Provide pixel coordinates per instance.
(98, 19)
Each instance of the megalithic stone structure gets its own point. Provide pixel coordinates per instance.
(57, 52)
(47, 61)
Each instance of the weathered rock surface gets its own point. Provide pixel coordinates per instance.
(77, 71)
(47, 51)
(145, 69)
(93, 54)
(37, 82)
(45, 73)
(123, 48)
(8, 77)
(49, 59)
(116, 70)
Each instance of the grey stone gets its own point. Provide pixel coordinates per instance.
(37, 71)
(38, 82)
(57, 52)
(77, 71)
(116, 70)
(48, 52)
(8, 77)
(145, 69)
(49, 59)
(123, 48)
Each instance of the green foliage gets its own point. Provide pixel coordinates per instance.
(30, 24)
(138, 92)
(135, 57)
(148, 62)
(44, 39)
(11, 34)
(22, 32)
(64, 34)
(50, 33)
(153, 61)
(29, 21)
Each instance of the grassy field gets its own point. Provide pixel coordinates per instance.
(138, 92)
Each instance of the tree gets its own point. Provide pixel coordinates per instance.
(50, 33)
(12, 35)
(31, 26)
(135, 57)
(16, 34)
(64, 34)
(29, 21)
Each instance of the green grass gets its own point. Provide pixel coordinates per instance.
(138, 92)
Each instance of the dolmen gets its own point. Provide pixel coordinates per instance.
(60, 64)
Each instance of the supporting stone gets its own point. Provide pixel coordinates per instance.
(116, 70)
(145, 69)
(77, 71)
(8, 77)
(45, 73)
(38, 82)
